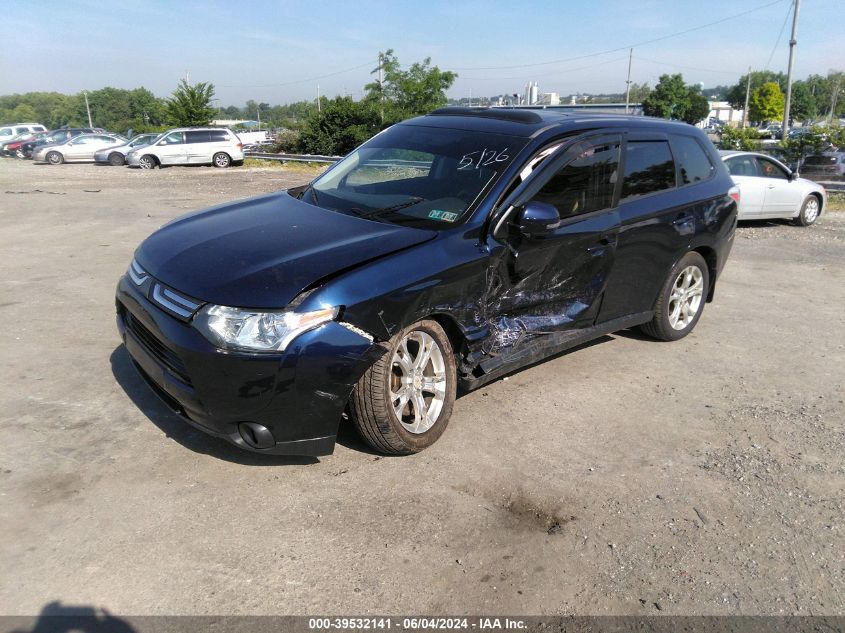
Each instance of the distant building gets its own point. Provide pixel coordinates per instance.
(549, 98)
(724, 112)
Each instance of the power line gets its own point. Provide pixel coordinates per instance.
(673, 65)
(627, 46)
(548, 74)
(298, 81)
(780, 34)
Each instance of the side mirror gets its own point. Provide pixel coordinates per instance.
(793, 175)
(537, 219)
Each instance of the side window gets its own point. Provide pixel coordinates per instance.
(199, 136)
(219, 135)
(174, 138)
(693, 161)
(81, 140)
(648, 168)
(21, 130)
(742, 166)
(768, 169)
(585, 183)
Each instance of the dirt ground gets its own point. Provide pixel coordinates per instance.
(626, 477)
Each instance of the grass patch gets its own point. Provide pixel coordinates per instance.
(836, 200)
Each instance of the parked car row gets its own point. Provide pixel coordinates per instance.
(181, 146)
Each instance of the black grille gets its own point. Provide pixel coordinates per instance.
(156, 348)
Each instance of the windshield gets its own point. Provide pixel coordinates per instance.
(417, 176)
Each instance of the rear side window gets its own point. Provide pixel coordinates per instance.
(200, 136)
(21, 130)
(585, 183)
(648, 168)
(693, 161)
(219, 135)
(742, 166)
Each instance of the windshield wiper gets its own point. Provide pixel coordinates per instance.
(395, 207)
(310, 187)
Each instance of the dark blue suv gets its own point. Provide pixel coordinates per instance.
(446, 251)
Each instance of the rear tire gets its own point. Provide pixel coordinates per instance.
(402, 404)
(221, 159)
(681, 300)
(809, 212)
(147, 161)
(55, 158)
(116, 159)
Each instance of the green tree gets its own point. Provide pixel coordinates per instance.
(673, 99)
(407, 93)
(767, 103)
(639, 92)
(191, 104)
(735, 95)
(746, 139)
(24, 113)
(803, 104)
(339, 127)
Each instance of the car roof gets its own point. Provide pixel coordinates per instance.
(531, 122)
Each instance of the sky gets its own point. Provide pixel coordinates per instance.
(286, 51)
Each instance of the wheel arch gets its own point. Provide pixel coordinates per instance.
(453, 331)
(709, 255)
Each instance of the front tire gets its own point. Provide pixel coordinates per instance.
(55, 158)
(809, 212)
(681, 300)
(402, 404)
(147, 161)
(116, 159)
(221, 159)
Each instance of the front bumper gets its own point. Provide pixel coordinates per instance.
(298, 395)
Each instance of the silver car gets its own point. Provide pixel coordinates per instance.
(79, 149)
(117, 155)
(769, 189)
(190, 146)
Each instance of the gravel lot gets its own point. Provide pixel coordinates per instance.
(627, 477)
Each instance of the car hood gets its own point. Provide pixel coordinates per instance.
(262, 252)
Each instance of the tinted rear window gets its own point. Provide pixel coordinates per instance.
(219, 135)
(200, 136)
(694, 164)
(648, 168)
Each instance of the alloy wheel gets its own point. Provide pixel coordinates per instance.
(685, 300)
(417, 382)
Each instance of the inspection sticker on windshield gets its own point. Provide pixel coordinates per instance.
(446, 216)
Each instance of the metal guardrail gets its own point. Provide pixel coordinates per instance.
(296, 158)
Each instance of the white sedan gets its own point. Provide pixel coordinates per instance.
(768, 189)
(79, 149)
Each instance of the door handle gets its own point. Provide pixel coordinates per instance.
(771, 186)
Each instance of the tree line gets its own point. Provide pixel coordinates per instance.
(337, 125)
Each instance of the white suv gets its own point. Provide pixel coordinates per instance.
(189, 146)
(8, 132)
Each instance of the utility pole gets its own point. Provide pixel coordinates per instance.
(628, 82)
(258, 110)
(87, 109)
(747, 95)
(319, 108)
(792, 43)
(381, 84)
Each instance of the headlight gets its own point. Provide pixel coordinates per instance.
(251, 331)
